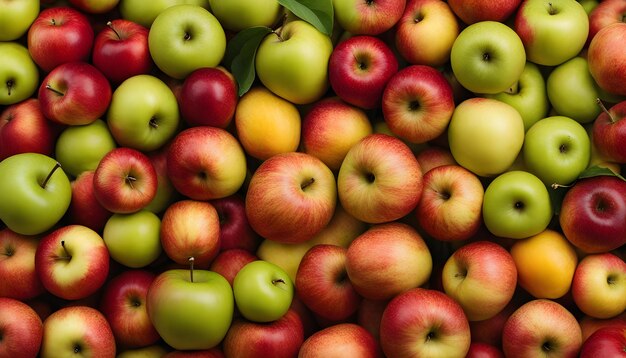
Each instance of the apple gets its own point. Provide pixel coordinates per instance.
(144, 14)
(379, 180)
(166, 194)
(484, 350)
(545, 263)
(291, 197)
(516, 205)
(605, 342)
(606, 65)
(190, 309)
(482, 277)
(17, 266)
(208, 96)
(359, 68)
(280, 338)
(143, 113)
(179, 39)
(235, 230)
(608, 131)
(489, 331)
(215, 352)
(369, 17)
(286, 65)
(487, 57)
(72, 262)
(324, 120)
(348, 339)
(598, 287)
(133, 240)
(473, 11)
(124, 180)
(388, 259)
(237, 15)
(120, 50)
(267, 124)
(423, 20)
(16, 18)
(36, 193)
(74, 330)
(59, 35)
(485, 135)
(151, 351)
(190, 228)
(19, 75)
(552, 32)
(541, 327)
(450, 208)
(228, 262)
(432, 156)
(123, 304)
(95, 6)
(601, 16)
(21, 329)
(424, 322)
(85, 209)
(206, 163)
(23, 128)
(79, 148)
(589, 324)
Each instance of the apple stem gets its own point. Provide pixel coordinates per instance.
(605, 110)
(557, 186)
(54, 90)
(551, 9)
(110, 25)
(191, 261)
(10, 83)
(67, 255)
(307, 183)
(280, 280)
(57, 165)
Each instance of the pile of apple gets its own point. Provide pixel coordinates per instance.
(312, 178)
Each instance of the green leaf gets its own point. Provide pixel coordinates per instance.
(595, 171)
(318, 13)
(241, 53)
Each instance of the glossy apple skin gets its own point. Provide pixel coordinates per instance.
(85, 94)
(24, 128)
(606, 62)
(120, 50)
(367, 17)
(347, 339)
(608, 133)
(235, 230)
(605, 13)
(208, 97)
(359, 68)
(228, 262)
(484, 350)
(59, 35)
(21, 329)
(605, 342)
(17, 266)
(593, 214)
(434, 156)
(483, 10)
(84, 208)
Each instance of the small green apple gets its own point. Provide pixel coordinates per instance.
(144, 12)
(19, 75)
(16, 17)
(133, 239)
(263, 291)
(237, 15)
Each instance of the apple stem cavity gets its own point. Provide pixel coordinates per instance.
(191, 261)
(605, 110)
(278, 281)
(67, 254)
(48, 87)
(153, 123)
(307, 183)
(57, 165)
(551, 9)
(110, 25)
(10, 83)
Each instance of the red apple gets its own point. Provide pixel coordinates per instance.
(165, 194)
(367, 17)
(24, 128)
(123, 303)
(208, 97)
(607, 12)
(609, 132)
(359, 68)
(484, 350)
(84, 208)
(21, 329)
(423, 322)
(489, 331)
(17, 266)
(343, 339)
(589, 325)
(59, 35)
(605, 342)
(607, 63)
(125, 180)
(433, 156)
(472, 11)
(120, 50)
(235, 230)
(369, 314)
(228, 262)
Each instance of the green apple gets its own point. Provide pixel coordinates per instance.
(79, 148)
(516, 205)
(236, 15)
(528, 95)
(573, 92)
(552, 31)
(133, 239)
(16, 17)
(588, 5)
(184, 38)
(144, 12)
(285, 256)
(35, 193)
(263, 291)
(190, 309)
(485, 135)
(19, 75)
(143, 113)
(487, 57)
(557, 149)
(292, 62)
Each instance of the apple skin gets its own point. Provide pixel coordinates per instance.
(599, 285)
(417, 313)
(347, 339)
(379, 180)
(59, 35)
(603, 14)
(120, 50)
(281, 338)
(228, 262)
(166, 194)
(359, 68)
(133, 240)
(24, 128)
(369, 17)
(239, 15)
(208, 97)
(235, 230)
(473, 11)
(386, 260)
(17, 266)
(484, 350)
(144, 14)
(593, 214)
(123, 303)
(95, 6)
(16, 18)
(589, 324)
(81, 329)
(608, 131)
(19, 76)
(539, 326)
(21, 329)
(606, 63)
(85, 209)
(432, 156)
(605, 342)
